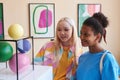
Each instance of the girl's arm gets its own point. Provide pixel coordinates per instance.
(110, 68)
(39, 58)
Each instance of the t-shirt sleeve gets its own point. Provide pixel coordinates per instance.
(110, 68)
(39, 58)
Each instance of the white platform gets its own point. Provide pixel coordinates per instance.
(39, 73)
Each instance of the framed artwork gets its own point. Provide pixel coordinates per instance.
(1, 22)
(85, 11)
(42, 20)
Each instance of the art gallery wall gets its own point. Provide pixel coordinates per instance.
(17, 11)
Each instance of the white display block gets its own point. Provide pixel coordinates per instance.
(39, 73)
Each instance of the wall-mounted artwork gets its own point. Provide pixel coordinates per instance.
(1, 22)
(85, 11)
(42, 20)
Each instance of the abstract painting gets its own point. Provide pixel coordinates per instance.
(42, 20)
(85, 11)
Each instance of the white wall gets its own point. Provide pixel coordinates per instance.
(16, 11)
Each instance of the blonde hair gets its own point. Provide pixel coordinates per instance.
(74, 39)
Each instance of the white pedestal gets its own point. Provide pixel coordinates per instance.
(39, 73)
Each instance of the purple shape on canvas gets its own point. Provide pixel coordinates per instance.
(43, 18)
(1, 27)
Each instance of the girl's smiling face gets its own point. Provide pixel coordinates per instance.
(64, 31)
(88, 38)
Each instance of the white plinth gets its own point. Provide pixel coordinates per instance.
(39, 73)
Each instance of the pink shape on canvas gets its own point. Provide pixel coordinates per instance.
(1, 27)
(43, 18)
(91, 9)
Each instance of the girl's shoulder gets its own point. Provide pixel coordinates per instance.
(110, 58)
(84, 54)
(49, 44)
(98, 54)
(109, 54)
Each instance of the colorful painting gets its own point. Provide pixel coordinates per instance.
(85, 11)
(1, 22)
(42, 19)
